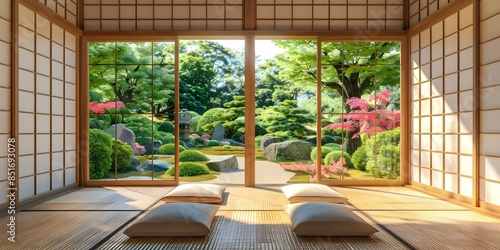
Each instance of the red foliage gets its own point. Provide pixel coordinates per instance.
(100, 108)
(368, 117)
(312, 169)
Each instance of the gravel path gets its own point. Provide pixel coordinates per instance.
(265, 173)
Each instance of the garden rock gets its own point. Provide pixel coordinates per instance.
(123, 134)
(289, 150)
(267, 140)
(218, 133)
(223, 163)
(233, 142)
(135, 162)
(156, 165)
(152, 147)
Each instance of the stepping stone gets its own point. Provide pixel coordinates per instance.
(223, 163)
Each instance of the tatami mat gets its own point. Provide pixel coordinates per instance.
(254, 230)
(62, 229)
(255, 198)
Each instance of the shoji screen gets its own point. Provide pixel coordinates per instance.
(420, 9)
(65, 8)
(163, 14)
(47, 105)
(490, 104)
(442, 100)
(5, 105)
(330, 15)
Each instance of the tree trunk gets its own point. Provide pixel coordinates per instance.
(352, 143)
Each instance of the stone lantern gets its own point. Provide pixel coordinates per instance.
(184, 125)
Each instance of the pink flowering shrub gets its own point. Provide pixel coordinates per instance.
(100, 108)
(334, 167)
(206, 136)
(368, 117)
(139, 150)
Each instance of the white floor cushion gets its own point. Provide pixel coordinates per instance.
(196, 192)
(309, 192)
(175, 220)
(326, 219)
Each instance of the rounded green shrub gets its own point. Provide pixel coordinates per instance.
(383, 154)
(95, 123)
(337, 139)
(168, 138)
(226, 146)
(123, 153)
(359, 158)
(166, 126)
(212, 143)
(189, 169)
(193, 156)
(169, 149)
(100, 153)
(333, 146)
(325, 139)
(335, 155)
(324, 152)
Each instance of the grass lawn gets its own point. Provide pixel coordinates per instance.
(161, 175)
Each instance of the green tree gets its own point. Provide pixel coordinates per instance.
(139, 74)
(232, 118)
(286, 120)
(210, 75)
(349, 69)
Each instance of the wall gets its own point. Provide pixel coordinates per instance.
(228, 15)
(163, 15)
(46, 104)
(330, 15)
(65, 8)
(5, 92)
(489, 81)
(446, 112)
(442, 101)
(421, 9)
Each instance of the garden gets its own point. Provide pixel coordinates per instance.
(131, 110)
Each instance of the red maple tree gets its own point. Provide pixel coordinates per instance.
(368, 116)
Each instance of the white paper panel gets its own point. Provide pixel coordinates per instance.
(466, 122)
(42, 163)
(437, 142)
(42, 143)
(451, 182)
(490, 143)
(465, 186)
(425, 176)
(466, 163)
(70, 176)
(490, 192)
(26, 166)
(451, 143)
(57, 179)
(26, 187)
(437, 179)
(42, 183)
(451, 163)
